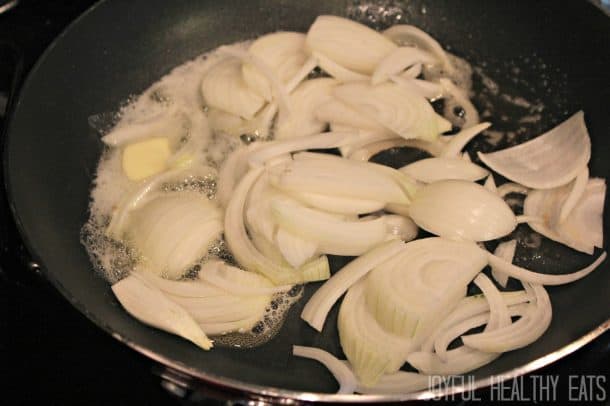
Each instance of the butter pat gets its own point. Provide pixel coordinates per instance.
(145, 158)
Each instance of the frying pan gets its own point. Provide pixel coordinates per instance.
(555, 53)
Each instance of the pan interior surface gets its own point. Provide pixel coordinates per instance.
(554, 54)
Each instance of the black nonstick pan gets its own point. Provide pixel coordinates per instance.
(553, 54)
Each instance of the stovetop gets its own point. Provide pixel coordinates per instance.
(55, 355)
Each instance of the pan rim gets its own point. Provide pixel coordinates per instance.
(255, 390)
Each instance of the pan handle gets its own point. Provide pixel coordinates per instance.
(197, 392)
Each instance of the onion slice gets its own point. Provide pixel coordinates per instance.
(506, 251)
(434, 169)
(348, 43)
(461, 210)
(526, 275)
(224, 88)
(406, 113)
(583, 229)
(458, 141)
(317, 308)
(342, 373)
(549, 160)
(397, 61)
(149, 305)
(403, 34)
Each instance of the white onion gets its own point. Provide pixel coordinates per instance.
(339, 113)
(506, 251)
(371, 350)
(523, 332)
(583, 228)
(224, 88)
(460, 98)
(549, 160)
(247, 254)
(576, 192)
(429, 90)
(331, 235)
(397, 61)
(434, 169)
(462, 210)
(317, 308)
(334, 204)
(304, 101)
(411, 300)
(406, 113)
(294, 248)
(273, 149)
(168, 123)
(458, 141)
(283, 53)
(343, 374)
(173, 231)
(403, 34)
(149, 305)
(526, 275)
(337, 71)
(348, 43)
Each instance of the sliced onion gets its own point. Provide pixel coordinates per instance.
(334, 204)
(434, 169)
(339, 113)
(149, 305)
(283, 53)
(459, 361)
(411, 300)
(490, 184)
(458, 141)
(506, 251)
(510, 187)
(405, 113)
(526, 275)
(429, 90)
(331, 235)
(237, 281)
(317, 308)
(457, 97)
(168, 123)
(403, 34)
(576, 192)
(340, 177)
(462, 210)
(273, 149)
(549, 160)
(471, 307)
(246, 253)
(337, 71)
(145, 191)
(401, 227)
(233, 168)
(371, 350)
(348, 43)
(411, 73)
(294, 248)
(344, 375)
(398, 60)
(280, 92)
(310, 64)
(224, 88)
(304, 101)
(523, 332)
(583, 228)
(173, 231)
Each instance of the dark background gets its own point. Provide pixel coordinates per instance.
(50, 354)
